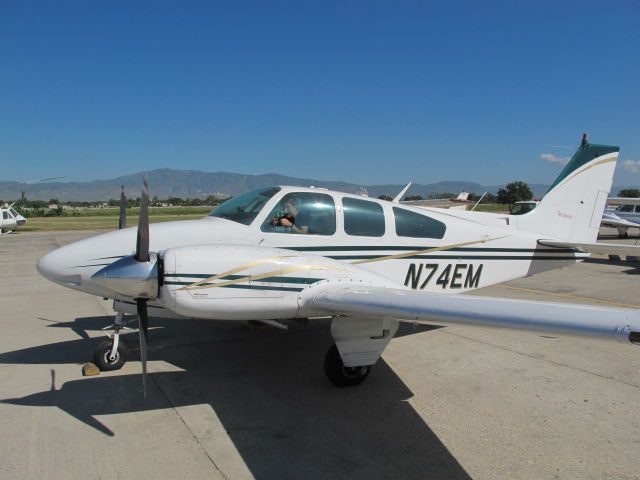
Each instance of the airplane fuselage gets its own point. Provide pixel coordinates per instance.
(223, 269)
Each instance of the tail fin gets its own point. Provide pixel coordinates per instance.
(572, 208)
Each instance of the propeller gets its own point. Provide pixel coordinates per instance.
(142, 255)
(122, 222)
(136, 276)
(143, 335)
(142, 244)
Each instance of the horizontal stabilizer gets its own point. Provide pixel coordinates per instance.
(596, 248)
(620, 324)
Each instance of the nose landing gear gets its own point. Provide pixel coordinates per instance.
(104, 358)
(111, 354)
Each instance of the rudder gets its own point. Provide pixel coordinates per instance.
(572, 208)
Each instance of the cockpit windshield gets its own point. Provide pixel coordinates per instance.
(244, 208)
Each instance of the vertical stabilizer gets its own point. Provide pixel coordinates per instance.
(572, 208)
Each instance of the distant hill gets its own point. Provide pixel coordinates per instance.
(167, 182)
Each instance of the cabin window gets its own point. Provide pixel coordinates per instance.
(303, 213)
(244, 208)
(412, 224)
(5, 215)
(626, 208)
(363, 218)
(637, 208)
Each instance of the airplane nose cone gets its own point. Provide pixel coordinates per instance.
(54, 266)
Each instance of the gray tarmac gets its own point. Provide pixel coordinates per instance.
(229, 402)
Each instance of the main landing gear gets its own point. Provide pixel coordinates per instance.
(110, 354)
(358, 344)
(339, 374)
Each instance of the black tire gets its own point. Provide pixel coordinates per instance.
(101, 356)
(339, 374)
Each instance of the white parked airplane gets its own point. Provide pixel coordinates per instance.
(625, 216)
(288, 252)
(460, 202)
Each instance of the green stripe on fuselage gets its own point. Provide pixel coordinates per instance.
(375, 248)
(246, 287)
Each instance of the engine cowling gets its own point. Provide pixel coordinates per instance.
(237, 282)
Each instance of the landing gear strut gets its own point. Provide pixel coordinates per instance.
(111, 354)
(339, 374)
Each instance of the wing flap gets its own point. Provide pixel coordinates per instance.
(377, 302)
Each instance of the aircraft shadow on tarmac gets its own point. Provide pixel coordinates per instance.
(268, 390)
(634, 267)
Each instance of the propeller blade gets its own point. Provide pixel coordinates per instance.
(122, 223)
(143, 333)
(142, 244)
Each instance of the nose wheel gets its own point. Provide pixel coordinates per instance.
(106, 359)
(110, 354)
(340, 375)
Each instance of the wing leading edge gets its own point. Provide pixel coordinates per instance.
(376, 302)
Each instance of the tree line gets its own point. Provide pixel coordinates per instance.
(25, 203)
(512, 192)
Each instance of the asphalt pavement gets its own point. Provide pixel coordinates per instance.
(230, 402)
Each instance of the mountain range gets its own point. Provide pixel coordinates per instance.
(166, 182)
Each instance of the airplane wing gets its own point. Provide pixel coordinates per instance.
(596, 248)
(618, 222)
(378, 302)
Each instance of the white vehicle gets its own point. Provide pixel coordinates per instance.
(10, 219)
(290, 253)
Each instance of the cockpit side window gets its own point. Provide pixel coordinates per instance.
(412, 224)
(363, 218)
(244, 208)
(303, 213)
(626, 208)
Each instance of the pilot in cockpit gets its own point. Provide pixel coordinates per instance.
(291, 218)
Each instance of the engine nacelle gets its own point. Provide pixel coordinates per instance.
(228, 282)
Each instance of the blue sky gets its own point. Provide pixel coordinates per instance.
(368, 92)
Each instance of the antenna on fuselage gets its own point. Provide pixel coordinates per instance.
(401, 194)
(478, 202)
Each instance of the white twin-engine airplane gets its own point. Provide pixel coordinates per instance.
(303, 253)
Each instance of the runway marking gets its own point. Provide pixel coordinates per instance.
(570, 295)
